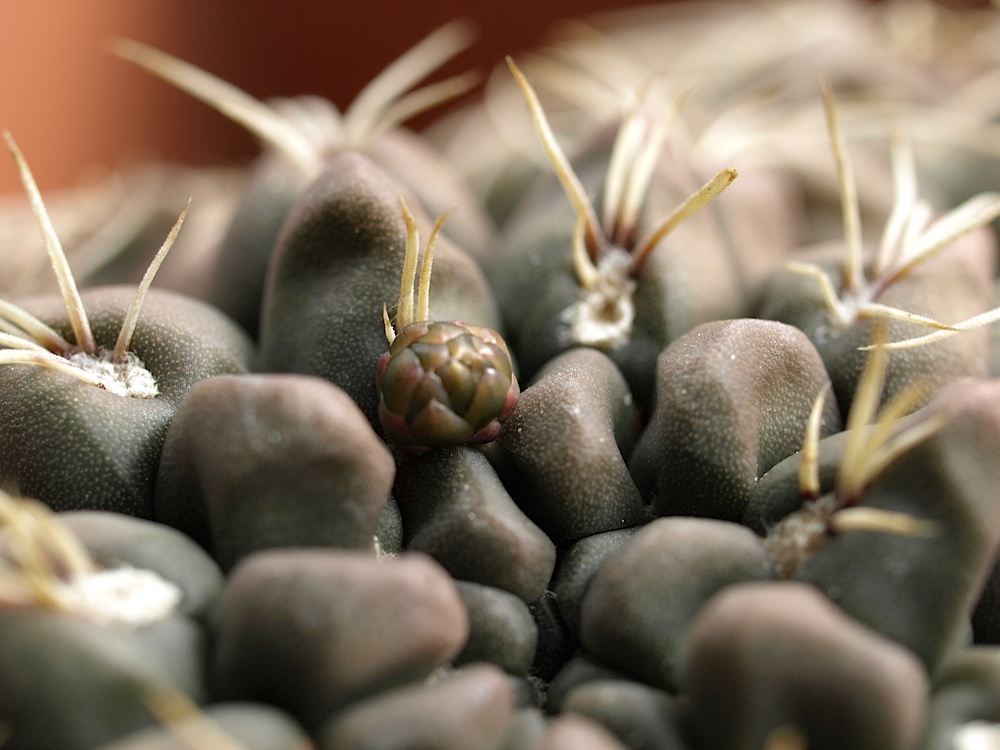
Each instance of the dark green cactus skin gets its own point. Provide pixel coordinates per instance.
(733, 399)
(919, 591)
(765, 657)
(258, 461)
(337, 264)
(456, 510)
(561, 448)
(239, 276)
(578, 564)
(965, 691)
(410, 158)
(689, 560)
(777, 494)
(608, 538)
(501, 629)
(69, 682)
(329, 657)
(240, 271)
(445, 384)
(78, 447)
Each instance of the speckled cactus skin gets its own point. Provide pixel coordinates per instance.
(239, 275)
(336, 265)
(932, 582)
(76, 446)
(560, 451)
(733, 398)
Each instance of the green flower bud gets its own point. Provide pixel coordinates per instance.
(445, 384)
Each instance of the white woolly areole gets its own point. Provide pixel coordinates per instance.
(128, 597)
(129, 378)
(603, 316)
(976, 735)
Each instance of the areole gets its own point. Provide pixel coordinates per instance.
(607, 256)
(28, 340)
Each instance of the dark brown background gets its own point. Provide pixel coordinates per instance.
(73, 107)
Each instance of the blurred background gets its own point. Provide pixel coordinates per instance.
(77, 111)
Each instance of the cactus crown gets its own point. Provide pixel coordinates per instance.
(307, 129)
(908, 240)
(24, 339)
(607, 255)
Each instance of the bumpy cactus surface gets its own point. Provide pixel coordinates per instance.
(735, 507)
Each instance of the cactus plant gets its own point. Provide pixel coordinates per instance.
(734, 500)
(906, 281)
(82, 590)
(304, 133)
(590, 280)
(85, 430)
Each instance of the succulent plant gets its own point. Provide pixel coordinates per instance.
(336, 264)
(562, 451)
(116, 597)
(456, 509)
(732, 400)
(306, 470)
(46, 566)
(27, 340)
(439, 383)
(905, 539)
(706, 521)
